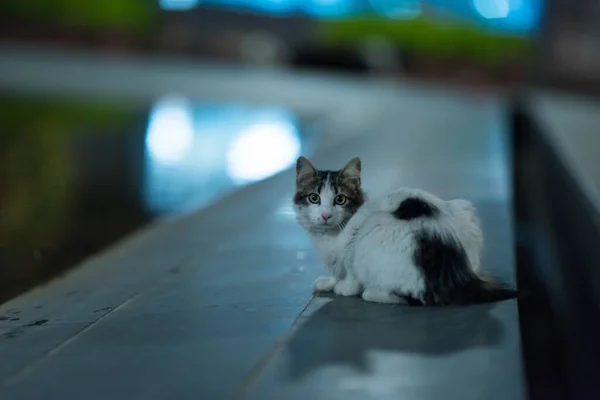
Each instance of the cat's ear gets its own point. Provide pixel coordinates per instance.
(351, 172)
(304, 169)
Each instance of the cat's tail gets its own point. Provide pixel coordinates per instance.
(448, 276)
(472, 290)
(484, 291)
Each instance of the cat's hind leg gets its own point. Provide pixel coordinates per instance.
(324, 284)
(382, 296)
(347, 287)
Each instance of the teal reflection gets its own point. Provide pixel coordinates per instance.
(332, 8)
(520, 16)
(270, 143)
(516, 15)
(397, 9)
(275, 6)
(170, 130)
(492, 9)
(178, 5)
(196, 153)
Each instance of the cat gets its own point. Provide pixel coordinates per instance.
(407, 247)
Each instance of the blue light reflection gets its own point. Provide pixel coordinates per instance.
(178, 5)
(274, 6)
(266, 146)
(492, 9)
(331, 8)
(512, 15)
(520, 16)
(397, 9)
(170, 130)
(197, 153)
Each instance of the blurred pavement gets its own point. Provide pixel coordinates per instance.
(218, 304)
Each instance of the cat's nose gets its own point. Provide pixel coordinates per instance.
(326, 216)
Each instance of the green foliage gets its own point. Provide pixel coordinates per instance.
(132, 15)
(17, 114)
(36, 171)
(428, 37)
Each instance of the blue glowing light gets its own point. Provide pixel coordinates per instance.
(195, 153)
(330, 8)
(492, 9)
(515, 15)
(397, 9)
(170, 130)
(274, 6)
(178, 5)
(262, 149)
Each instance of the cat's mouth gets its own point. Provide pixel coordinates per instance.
(329, 226)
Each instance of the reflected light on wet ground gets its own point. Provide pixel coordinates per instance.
(78, 176)
(261, 150)
(170, 130)
(191, 148)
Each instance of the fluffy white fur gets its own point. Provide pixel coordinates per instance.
(371, 253)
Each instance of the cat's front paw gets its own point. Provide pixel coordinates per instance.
(347, 288)
(324, 284)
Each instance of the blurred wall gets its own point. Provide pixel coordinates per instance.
(570, 44)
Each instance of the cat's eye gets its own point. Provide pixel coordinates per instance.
(314, 198)
(340, 200)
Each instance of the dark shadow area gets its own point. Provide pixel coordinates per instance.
(71, 177)
(329, 59)
(558, 253)
(344, 330)
(564, 57)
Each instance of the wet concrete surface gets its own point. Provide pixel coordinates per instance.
(218, 304)
(78, 176)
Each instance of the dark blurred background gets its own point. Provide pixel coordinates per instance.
(468, 41)
(464, 40)
(62, 199)
(80, 169)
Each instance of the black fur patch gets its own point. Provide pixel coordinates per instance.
(448, 275)
(413, 208)
(411, 301)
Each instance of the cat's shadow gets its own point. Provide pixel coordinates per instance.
(341, 331)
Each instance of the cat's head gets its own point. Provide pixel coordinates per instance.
(325, 200)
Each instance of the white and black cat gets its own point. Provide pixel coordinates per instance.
(409, 246)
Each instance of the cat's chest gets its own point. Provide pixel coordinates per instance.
(325, 246)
